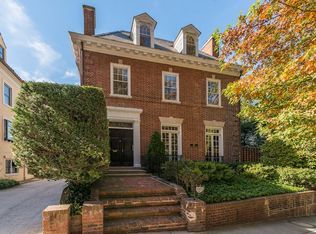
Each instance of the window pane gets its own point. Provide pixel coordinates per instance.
(9, 135)
(120, 81)
(170, 87)
(190, 45)
(7, 94)
(213, 93)
(1, 53)
(144, 35)
(212, 140)
(14, 168)
(8, 166)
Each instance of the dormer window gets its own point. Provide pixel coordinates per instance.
(144, 35)
(191, 48)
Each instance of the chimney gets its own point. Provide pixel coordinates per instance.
(210, 47)
(89, 20)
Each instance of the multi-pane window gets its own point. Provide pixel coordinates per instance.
(144, 35)
(170, 87)
(7, 130)
(7, 95)
(1, 53)
(120, 80)
(213, 144)
(10, 167)
(170, 137)
(191, 48)
(213, 90)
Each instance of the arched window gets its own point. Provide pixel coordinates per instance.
(144, 35)
(190, 45)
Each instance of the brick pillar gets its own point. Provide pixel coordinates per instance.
(56, 219)
(194, 212)
(92, 217)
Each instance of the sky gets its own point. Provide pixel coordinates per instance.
(39, 46)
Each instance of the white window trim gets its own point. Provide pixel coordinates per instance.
(128, 67)
(3, 85)
(185, 43)
(220, 92)
(221, 145)
(175, 122)
(164, 73)
(5, 164)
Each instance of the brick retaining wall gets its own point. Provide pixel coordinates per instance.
(262, 208)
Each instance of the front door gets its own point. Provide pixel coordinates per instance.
(121, 143)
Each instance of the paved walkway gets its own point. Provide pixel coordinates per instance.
(303, 225)
(21, 206)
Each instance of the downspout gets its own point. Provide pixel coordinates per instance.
(82, 64)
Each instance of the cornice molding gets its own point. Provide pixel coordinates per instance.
(106, 46)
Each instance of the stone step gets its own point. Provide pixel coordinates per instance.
(124, 213)
(136, 192)
(124, 171)
(140, 201)
(145, 224)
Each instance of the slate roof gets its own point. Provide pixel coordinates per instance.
(160, 44)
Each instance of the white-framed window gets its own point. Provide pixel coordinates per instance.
(120, 80)
(170, 135)
(7, 95)
(214, 144)
(190, 45)
(170, 87)
(7, 130)
(144, 35)
(213, 92)
(10, 167)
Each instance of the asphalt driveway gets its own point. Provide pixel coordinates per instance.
(21, 206)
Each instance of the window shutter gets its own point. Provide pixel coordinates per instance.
(5, 129)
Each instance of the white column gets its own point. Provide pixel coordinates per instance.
(136, 142)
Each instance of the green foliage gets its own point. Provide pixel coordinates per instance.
(243, 187)
(302, 177)
(191, 176)
(215, 171)
(212, 170)
(60, 131)
(76, 194)
(156, 152)
(258, 171)
(249, 133)
(277, 152)
(7, 183)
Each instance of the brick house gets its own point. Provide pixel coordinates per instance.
(153, 84)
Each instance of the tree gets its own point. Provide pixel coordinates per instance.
(275, 43)
(249, 133)
(60, 132)
(156, 153)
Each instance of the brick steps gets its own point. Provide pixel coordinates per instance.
(126, 172)
(141, 201)
(136, 192)
(145, 224)
(111, 174)
(136, 212)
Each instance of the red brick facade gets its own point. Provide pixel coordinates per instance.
(146, 92)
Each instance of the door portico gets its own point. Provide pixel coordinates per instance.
(132, 116)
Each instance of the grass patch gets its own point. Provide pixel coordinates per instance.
(7, 183)
(243, 187)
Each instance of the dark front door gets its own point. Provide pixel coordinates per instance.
(121, 143)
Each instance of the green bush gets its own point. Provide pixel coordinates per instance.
(302, 177)
(156, 153)
(76, 194)
(7, 183)
(258, 170)
(216, 171)
(243, 187)
(61, 132)
(277, 153)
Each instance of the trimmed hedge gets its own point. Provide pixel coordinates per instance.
(7, 183)
(60, 131)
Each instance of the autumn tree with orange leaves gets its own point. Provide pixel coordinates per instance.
(275, 43)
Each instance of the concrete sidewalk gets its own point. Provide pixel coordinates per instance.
(301, 225)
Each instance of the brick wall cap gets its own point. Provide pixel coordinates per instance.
(92, 203)
(57, 208)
